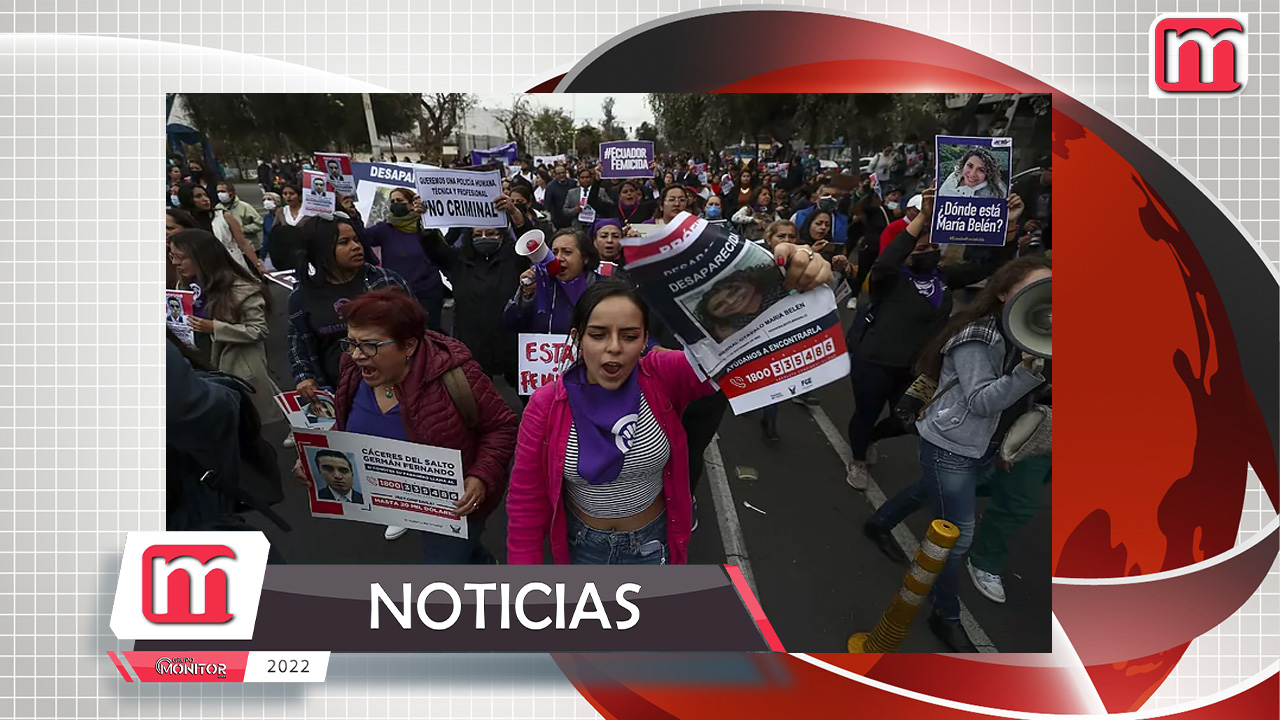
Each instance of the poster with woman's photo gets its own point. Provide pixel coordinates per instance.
(723, 296)
(972, 201)
(179, 304)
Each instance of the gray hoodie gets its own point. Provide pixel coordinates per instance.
(963, 420)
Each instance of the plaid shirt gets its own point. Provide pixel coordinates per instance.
(304, 352)
(983, 330)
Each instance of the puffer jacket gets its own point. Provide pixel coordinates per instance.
(430, 417)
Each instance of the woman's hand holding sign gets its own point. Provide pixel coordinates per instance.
(199, 324)
(806, 269)
(473, 495)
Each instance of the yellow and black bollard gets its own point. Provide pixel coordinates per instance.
(928, 562)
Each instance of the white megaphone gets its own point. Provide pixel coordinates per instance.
(533, 245)
(1028, 318)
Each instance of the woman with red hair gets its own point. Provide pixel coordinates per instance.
(400, 381)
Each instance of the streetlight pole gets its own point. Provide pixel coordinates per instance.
(374, 146)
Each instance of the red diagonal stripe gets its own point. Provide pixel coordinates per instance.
(123, 672)
(753, 606)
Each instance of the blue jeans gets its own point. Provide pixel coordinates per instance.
(950, 480)
(445, 550)
(589, 546)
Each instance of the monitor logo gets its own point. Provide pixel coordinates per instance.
(190, 585)
(1199, 55)
(180, 584)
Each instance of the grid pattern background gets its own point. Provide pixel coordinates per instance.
(81, 167)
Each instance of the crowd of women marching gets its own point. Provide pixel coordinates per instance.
(366, 322)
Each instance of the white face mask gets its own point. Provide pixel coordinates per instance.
(268, 204)
(891, 205)
(224, 197)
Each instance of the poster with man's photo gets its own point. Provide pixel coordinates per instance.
(179, 304)
(385, 482)
(337, 171)
(303, 414)
(317, 194)
(971, 204)
(723, 296)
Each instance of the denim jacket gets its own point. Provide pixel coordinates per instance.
(964, 419)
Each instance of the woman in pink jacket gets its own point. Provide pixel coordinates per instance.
(601, 459)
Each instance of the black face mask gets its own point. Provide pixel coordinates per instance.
(827, 204)
(524, 209)
(926, 262)
(399, 209)
(486, 246)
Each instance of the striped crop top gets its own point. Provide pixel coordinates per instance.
(640, 480)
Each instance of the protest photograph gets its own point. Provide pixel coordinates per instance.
(794, 333)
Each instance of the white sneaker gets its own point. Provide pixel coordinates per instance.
(394, 531)
(857, 476)
(991, 586)
(852, 304)
(290, 442)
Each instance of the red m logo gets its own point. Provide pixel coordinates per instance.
(1171, 35)
(170, 593)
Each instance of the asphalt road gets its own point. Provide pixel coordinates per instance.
(817, 577)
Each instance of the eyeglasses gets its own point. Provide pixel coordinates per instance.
(368, 349)
(489, 234)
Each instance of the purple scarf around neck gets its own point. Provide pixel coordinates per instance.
(605, 421)
(929, 285)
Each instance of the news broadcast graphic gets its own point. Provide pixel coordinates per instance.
(1149, 567)
(207, 602)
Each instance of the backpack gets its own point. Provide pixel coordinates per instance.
(455, 383)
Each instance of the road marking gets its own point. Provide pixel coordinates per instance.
(735, 545)
(901, 534)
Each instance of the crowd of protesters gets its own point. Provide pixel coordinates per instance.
(366, 323)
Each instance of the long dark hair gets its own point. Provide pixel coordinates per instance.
(802, 235)
(319, 248)
(217, 273)
(182, 217)
(593, 296)
(187, 199)
(990, 166)
(988, 303)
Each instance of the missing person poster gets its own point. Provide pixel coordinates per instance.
(626, 159)
(337, 171)
(317, 195)
(971, 206)
(724, 297)
(179, 304)
(505, 154)
(386, 482)
(460, 198)
(374, 183)
(542, 358)
(303, 414)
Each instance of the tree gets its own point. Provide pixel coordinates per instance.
(587, 141)
(554, 130)
(439, 114)
(609, 127)
(517, 122)
(647, 132)
(246, 126)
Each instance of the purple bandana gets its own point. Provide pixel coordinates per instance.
(605, 421)
(574, 288)
(928, 285)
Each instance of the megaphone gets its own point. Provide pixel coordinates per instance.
(533, 245)
(1028, 318)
